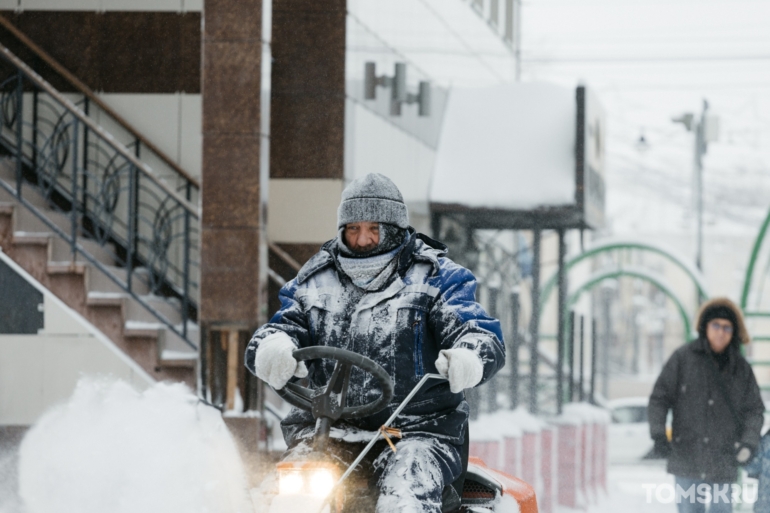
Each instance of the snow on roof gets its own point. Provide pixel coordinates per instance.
(509, 147)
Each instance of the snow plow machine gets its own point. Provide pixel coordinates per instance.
(317, 483)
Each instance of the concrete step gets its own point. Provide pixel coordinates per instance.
(167, 307)
(134, 312)
(26, 220)
(61, 251)
(31, 237)
(25, 223)
(188, 359)
(173, 342)
(100, 282)
(166, 338)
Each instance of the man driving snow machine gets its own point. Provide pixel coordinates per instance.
(389, 294)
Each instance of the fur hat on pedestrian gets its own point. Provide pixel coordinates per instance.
(372, 198)
(723, 308)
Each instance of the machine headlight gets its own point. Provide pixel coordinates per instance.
(290, 483)
(306, 478)
(321, 482)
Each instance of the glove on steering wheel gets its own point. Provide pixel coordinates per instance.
(274, 362)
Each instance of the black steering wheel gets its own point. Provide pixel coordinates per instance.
(320, 402)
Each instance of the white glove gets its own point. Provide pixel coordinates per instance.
(461, 366)
(274, 363)
(743, 455)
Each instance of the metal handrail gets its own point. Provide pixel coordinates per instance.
(284, 256)
(48, 88)
(80, 86)
(109, 196)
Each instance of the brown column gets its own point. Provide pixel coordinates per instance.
(307, 119)
(232, 239)
(307, 126)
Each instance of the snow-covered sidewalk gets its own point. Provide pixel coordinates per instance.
(627, 489)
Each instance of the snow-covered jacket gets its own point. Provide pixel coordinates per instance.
(429, 304)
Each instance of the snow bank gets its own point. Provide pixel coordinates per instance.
(508, 147)
(113, 449)
(587, 412)
(505, 423)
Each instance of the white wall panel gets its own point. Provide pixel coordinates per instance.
(61, 5)
(104, 5)
(192, 5)
(58, 320)
(39, 371)
(141, 5)
(317, 199)
(156, 116)
(21, 379)
(171, 121)
(190, 134)
(375, 146)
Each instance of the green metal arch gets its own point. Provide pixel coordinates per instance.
(625, 244)
(635, 273)
(753, 262)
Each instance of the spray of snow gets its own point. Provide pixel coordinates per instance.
(111, 448)
(9, 500)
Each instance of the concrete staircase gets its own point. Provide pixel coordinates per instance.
(87, 290)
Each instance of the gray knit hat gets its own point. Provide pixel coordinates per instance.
(374, 198)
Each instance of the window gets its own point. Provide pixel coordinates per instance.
(629, 414)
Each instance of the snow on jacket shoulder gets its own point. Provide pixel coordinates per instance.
(428, 305)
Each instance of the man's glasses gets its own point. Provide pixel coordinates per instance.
(727, 328)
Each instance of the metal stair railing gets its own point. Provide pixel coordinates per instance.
(146, 218)
(284, 257)
(94, 106)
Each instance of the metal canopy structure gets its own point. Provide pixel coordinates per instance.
(518, 157)
(479, 218)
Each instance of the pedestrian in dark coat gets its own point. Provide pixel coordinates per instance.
(384, 291)
(717, 409)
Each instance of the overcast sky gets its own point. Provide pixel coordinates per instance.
(649, 61)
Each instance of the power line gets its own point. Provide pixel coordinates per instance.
(684, 87)
(643, 60)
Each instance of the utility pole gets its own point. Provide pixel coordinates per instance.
(534, 323)
(706, 130)
(517, 38)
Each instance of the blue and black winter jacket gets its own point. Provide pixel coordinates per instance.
(428, 305)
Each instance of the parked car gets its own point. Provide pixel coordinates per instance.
(629, 432)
